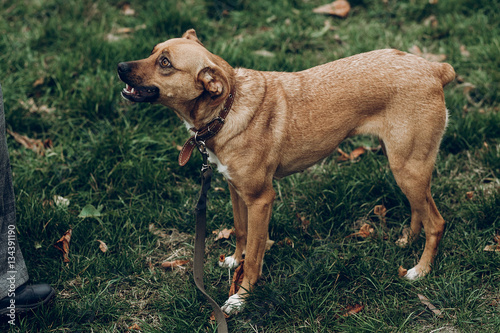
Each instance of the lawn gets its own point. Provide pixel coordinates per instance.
(115, 165)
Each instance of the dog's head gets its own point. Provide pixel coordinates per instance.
(180, 73)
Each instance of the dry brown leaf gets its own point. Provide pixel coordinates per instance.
(353, 155)
(357, 152)
(431, 307)
(470, 195)
(102, 246)
(353, 309)
(224, 234)
(464, 52)
(494, 247)
(31, 106)
(38, 82)
(219, 189)
(380, 210)
(238, 275)
(428, 56)
(157, 232)
(365, 231)
(127, 10)
(339, 8)
(431, 21)
(402, 271)
(135, 327)
(36, 145)
(343, 156)
(63, 244)
(173, 264)
(212, 316)
(304, 223)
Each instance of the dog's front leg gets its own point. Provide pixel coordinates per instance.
(259, 213)
(240, 215)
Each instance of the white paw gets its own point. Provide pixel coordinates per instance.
(233, 304)
(229, 262)
(413, 274)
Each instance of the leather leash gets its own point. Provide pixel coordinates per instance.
(198, 140)
(199, 244)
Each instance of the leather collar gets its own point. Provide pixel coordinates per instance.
(207, 132)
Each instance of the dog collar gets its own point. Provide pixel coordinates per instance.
(206, 132)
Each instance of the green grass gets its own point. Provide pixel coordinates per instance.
(122, 157)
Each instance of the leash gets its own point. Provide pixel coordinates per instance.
(199, 244)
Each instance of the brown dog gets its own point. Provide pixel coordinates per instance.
(281, 123)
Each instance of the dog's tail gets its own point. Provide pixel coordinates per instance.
(446, 73)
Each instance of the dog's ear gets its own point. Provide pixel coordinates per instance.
(191, 35)
(215, 83)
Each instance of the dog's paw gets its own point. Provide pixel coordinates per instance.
(233, 305)
(414, 274)
(229, 262)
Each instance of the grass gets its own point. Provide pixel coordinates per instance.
(121, 158)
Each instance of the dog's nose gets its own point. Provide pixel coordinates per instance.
(123, 67)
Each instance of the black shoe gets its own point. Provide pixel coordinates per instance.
(27, 297)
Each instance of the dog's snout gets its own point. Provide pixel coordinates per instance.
(124, 67)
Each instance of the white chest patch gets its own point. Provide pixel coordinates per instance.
(220, 167)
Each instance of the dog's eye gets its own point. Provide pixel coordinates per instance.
(165, 63)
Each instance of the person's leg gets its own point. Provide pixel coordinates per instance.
(13, 272)
(15, 296)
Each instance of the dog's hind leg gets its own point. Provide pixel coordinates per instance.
(411, 157)
(240, 215)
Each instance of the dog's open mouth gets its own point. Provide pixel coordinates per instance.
(140, 94)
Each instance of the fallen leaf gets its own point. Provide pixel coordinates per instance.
(304, 223)
(38, 82)
(343, 156)
(158, 232)
(464, 52)
(219, 189)
(173, 264)
(428, 56)
(431, 307)
(36, 145)
(31, 106)
(433, 2)
(357, 152)
(269, 244)
(470, 195)
(135, 327)
(212, 316)
(127, 10)
(224, 234)
(237, 278)
(494, 247)
(339, 8)
(353, 309)
(353, 155)
(380, 211)
(102, 246)
(402, 271)
(365, 231)
(431, 21)
(63, 244)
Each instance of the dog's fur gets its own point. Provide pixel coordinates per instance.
(282, 123)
